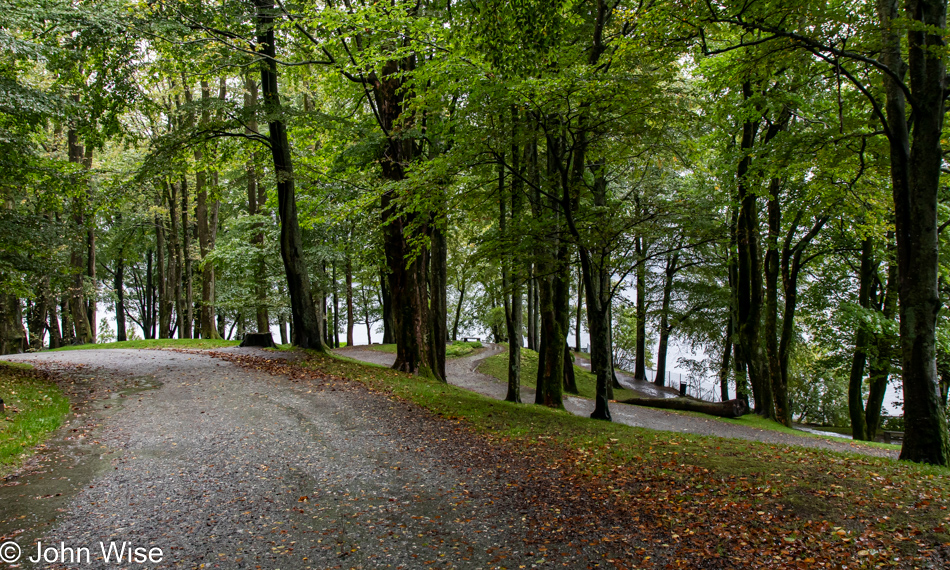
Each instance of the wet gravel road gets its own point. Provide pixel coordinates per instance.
(223, 467)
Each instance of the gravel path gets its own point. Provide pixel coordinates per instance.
(461, 372)
(221, 466)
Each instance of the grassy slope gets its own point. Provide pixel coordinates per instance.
(497, 366)
(42, 407)
(452, 350)
(791, 491)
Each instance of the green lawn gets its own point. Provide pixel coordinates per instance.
(34, 408)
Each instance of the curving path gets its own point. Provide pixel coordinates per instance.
(221, 466)
(461, 372)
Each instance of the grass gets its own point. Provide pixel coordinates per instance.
(34, 408)
(497, 366)
(158, 343)
(819, 488)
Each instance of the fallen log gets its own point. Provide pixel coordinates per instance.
(728, 409)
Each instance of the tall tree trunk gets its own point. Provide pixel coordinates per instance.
(880, 368)
(640, 350)
(78, 261)
(164, 298)
(458, 312)
(148, 328)
(188, 316)
(724, 366)
(55, 336)
(771, 266)
(306, 330)
(511, 286)
(119, 284)
(580, 310)
(206, 310)
(665, 328)
(915, 175)
(335, 336)
(531, 302)
(861, 343)
(749, 282)
(386, 301)
(174, 256)
(438, 303)
(348, 268)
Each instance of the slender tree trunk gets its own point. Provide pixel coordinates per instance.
(188, 315)
(119, 284)
(724, 366)
(164, 298)
(640, 351)
(458, 312)
(148, 330)
(55, 336)
(880, 368)
(386, 301)
(306, 330)
(175, 256)
(580, 310)
(531, 295)
(348, 268)
(438, 304)
(206, 311)
(335, 337)
(665, 327)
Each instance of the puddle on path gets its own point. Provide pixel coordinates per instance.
(32, 498)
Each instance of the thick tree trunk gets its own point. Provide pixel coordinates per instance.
(915, 175)
(13, 339)
(749, 277)
(306, 330)
(511, 283)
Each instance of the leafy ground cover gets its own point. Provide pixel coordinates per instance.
(679, 501)
(34, 407)
(497, 366)
(158, 343)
